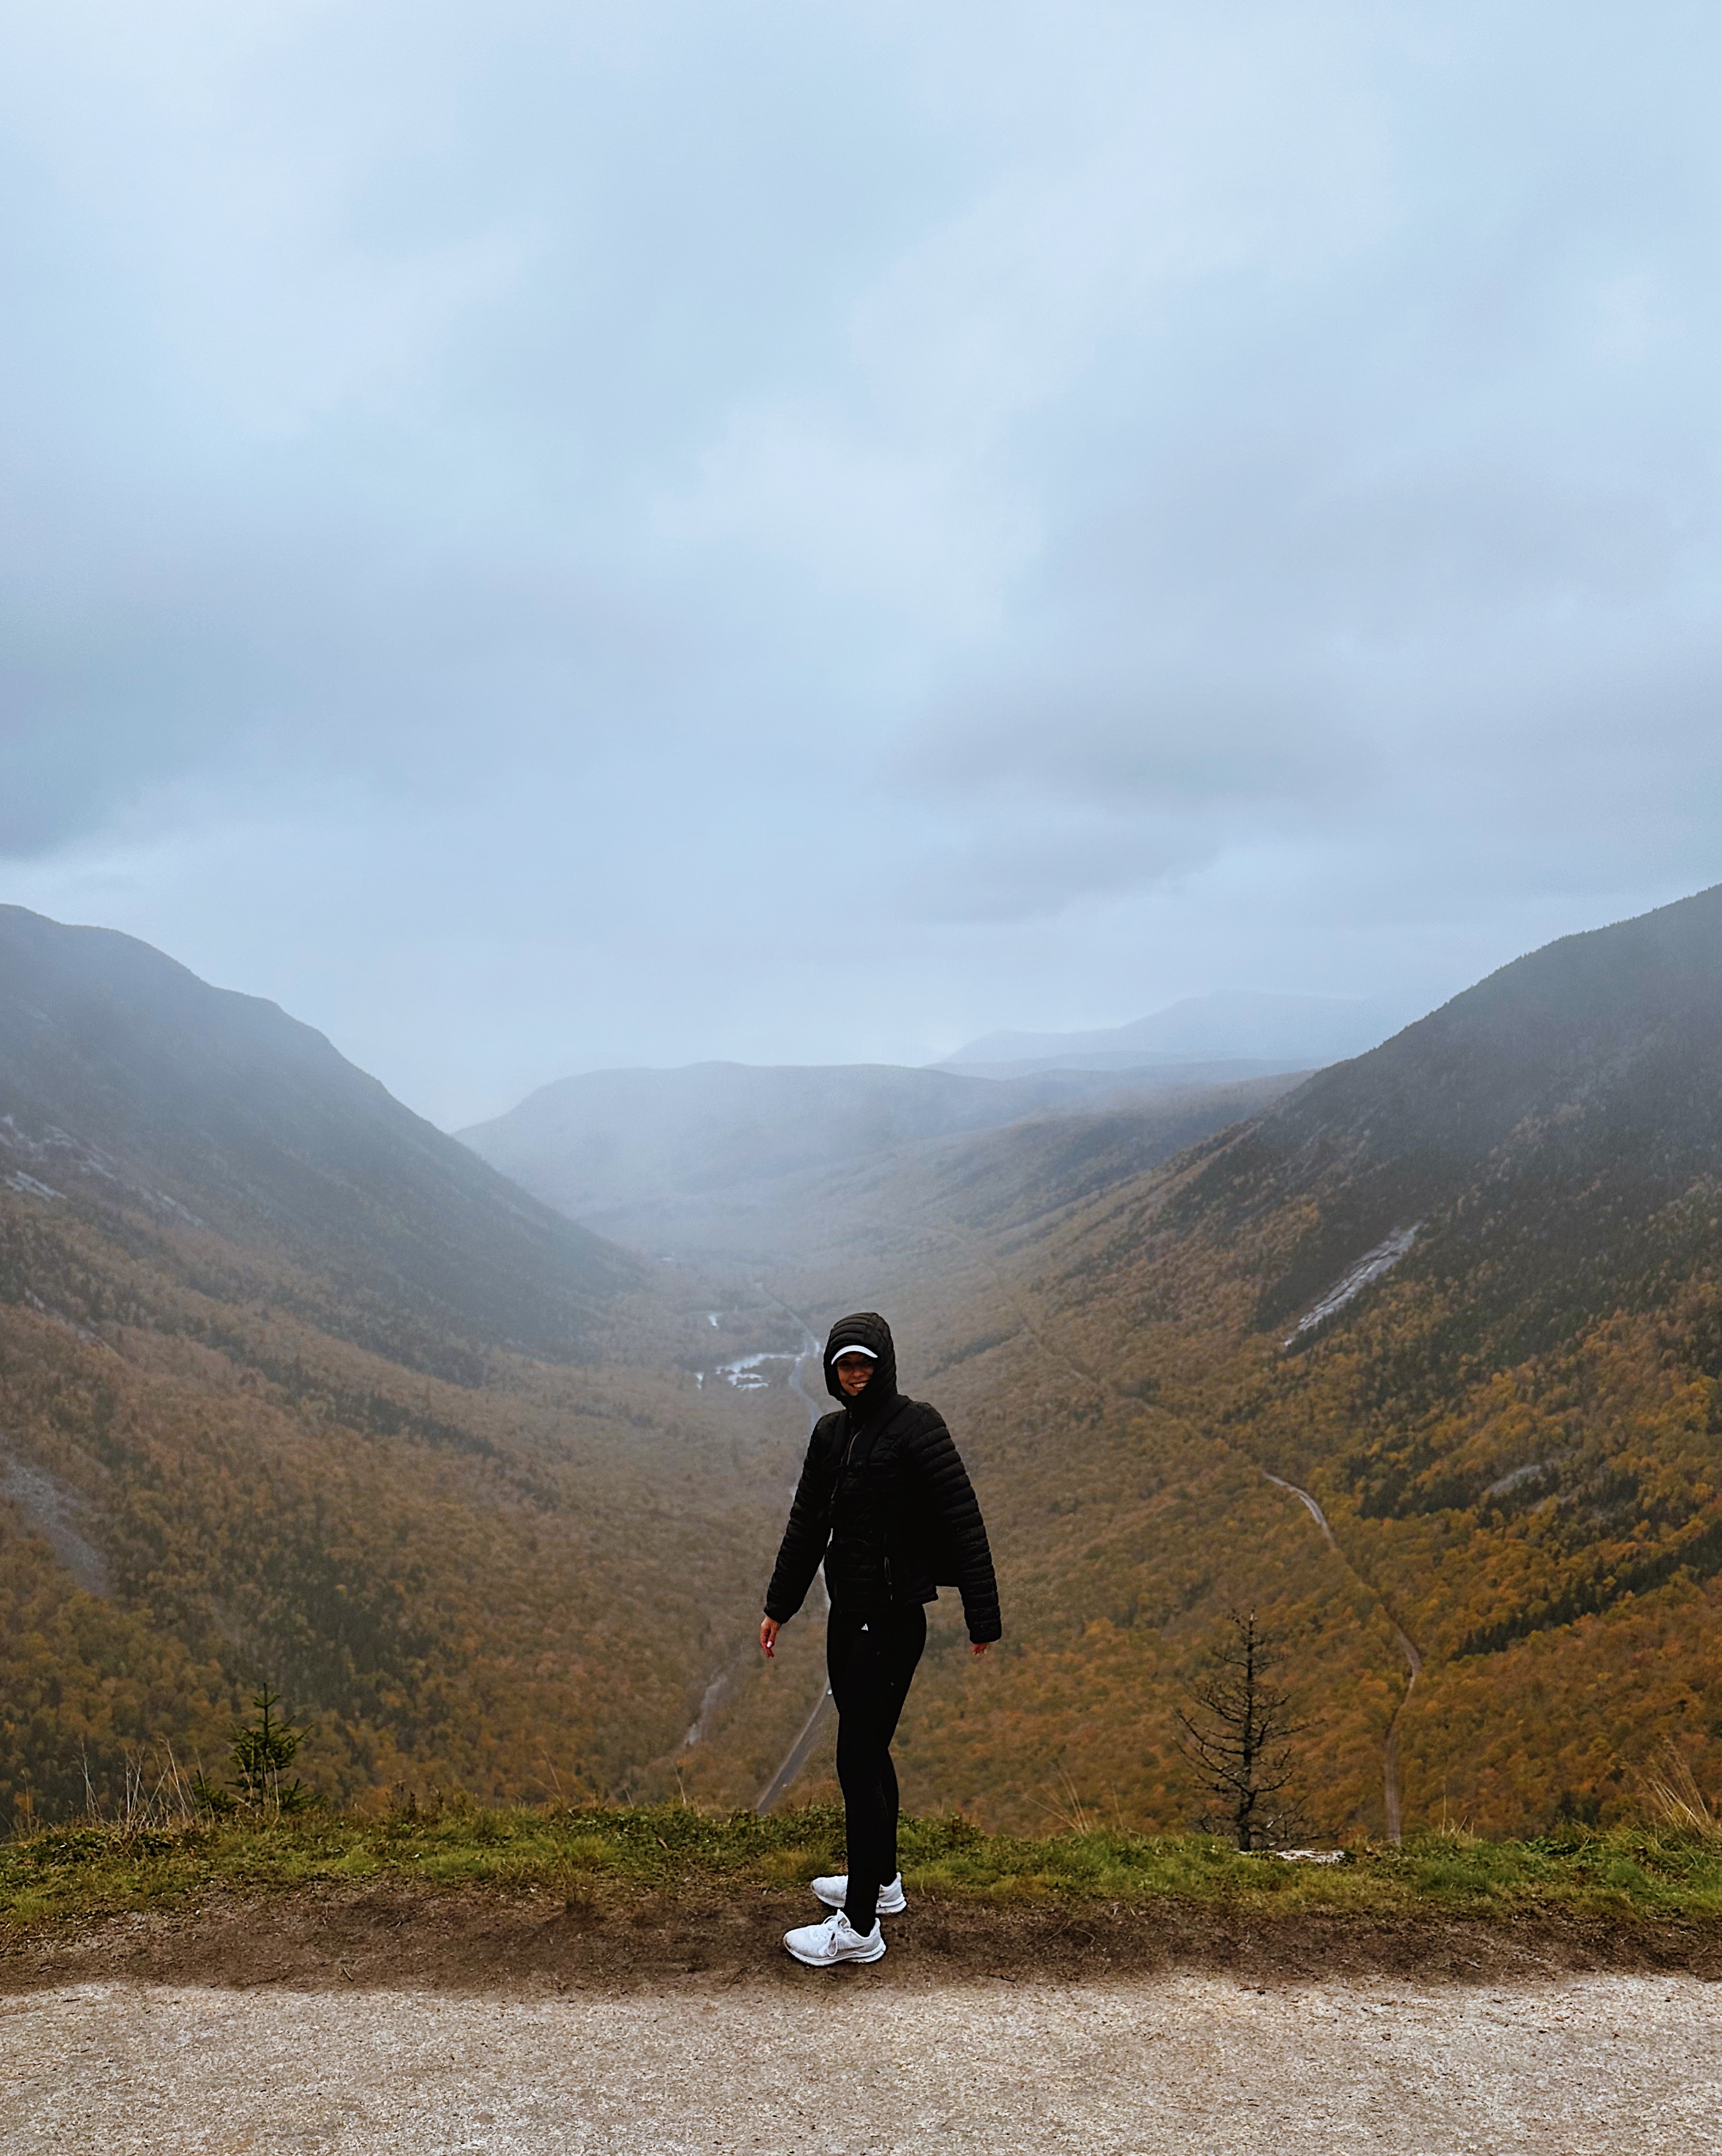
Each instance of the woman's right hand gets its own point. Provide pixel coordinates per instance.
(768, 1638)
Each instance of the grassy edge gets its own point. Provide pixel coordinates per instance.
(600, 1856)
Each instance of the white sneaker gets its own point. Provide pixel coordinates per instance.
(834, 1891)
(822, 1946)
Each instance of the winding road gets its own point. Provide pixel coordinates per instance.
(1407, 1645)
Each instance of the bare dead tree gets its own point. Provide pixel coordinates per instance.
(1239, 1738)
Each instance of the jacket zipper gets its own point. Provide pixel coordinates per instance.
(842, 1470)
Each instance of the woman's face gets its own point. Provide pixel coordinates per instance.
(852, 1371)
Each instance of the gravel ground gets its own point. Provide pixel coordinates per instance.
(1204, 2065)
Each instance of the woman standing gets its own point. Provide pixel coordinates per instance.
(885, 1501)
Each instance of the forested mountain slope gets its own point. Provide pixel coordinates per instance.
(291, 1387)
(294, 1388)
(1513, 1422)
(127, 1084)
(1565, 1100)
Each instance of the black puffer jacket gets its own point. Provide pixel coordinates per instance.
(885, 1500)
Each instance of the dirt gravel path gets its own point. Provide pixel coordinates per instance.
(1204, 2065)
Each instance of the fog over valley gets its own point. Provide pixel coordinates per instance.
(545, 544)
(1415, 1353)
(1039, 682)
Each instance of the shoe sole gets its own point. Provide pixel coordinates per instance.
(885, 1908)
(807, 1962)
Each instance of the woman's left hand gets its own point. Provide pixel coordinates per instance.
(979, 1646)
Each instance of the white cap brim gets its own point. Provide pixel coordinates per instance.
(838, 1353)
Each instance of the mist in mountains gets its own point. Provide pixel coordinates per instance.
(777, 541)
(292, 1385)
(1461, 1293)
(1253, 1034)
(293, 1388)
(128, 1082)
(1512, 1418)
(536, 541)
(605, 1143)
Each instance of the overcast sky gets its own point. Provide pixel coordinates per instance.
(542, 535)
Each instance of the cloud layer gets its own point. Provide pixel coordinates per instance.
(534, 535)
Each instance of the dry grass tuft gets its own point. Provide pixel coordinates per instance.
(1673, 1798)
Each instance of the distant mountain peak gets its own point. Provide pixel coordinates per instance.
(1277, 1032)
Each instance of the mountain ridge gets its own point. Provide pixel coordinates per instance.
(1589, 1046)
(1513, 1432)
(122, 1073)
(294, 1389)
(617, 1139)
(1273, 1032)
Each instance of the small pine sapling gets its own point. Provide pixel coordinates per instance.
(262, 1750)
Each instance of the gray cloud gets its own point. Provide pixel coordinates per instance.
(525, 532)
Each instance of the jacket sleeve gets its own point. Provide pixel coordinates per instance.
(946, 1482)
(804, 1539)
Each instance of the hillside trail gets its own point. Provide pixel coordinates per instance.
(1407, 1647)
(736, 1666)
(861, 2062)
(798, 1754)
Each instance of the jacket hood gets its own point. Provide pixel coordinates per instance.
(863, 1328)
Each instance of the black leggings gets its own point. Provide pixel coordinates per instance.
(870, 1660)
